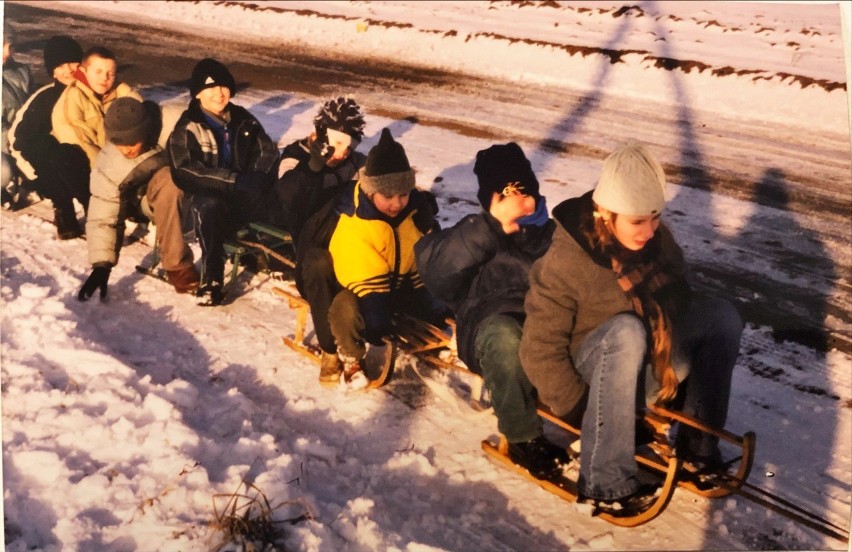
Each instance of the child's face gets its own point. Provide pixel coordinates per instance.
(214, 99)
(343, 145)
(131, 152)
(634, 232)
(65, 73)
(390, 205)
(100, 73)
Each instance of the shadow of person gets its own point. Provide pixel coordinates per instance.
(222, 404)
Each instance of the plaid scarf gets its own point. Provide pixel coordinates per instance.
(649, 286)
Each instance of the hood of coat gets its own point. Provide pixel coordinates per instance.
(575, 216)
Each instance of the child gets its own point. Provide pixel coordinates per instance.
(381, 218)
(16, 90)
(223, 160)
(132, 180)
(480, 268)
(37, 153)
(608, 298)
(313, 170)
(313, 173)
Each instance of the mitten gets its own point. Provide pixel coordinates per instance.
(320, 150)
(97, 280)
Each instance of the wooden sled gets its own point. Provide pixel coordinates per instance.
(566, 488)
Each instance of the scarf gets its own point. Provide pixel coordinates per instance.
(644, 283)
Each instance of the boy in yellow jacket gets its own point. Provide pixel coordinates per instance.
(381, 218)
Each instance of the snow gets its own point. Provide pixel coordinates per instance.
(126, 423)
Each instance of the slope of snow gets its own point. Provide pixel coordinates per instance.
(125, 424)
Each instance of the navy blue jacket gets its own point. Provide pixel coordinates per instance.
(480, 271)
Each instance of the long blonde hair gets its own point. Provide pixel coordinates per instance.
(602, 238)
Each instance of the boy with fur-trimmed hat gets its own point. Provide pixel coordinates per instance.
(222, 158)
(38, 154)
(480, 267)
(132, 180)
(382, 216)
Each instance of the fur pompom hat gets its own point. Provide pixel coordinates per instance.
(129, 121)
(343, 115)
(504, 169)
(387, 170)
(632, 182)
(60, 50)
(208, 73)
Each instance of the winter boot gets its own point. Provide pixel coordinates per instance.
(379, 360)
(353, 374)
(631, 505)
(331, 367)
(67, 226)
(184, 280)
(210, 294)
(540, 457)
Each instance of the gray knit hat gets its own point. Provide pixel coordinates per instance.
(128, 121)
(632, 182)
(387, 170)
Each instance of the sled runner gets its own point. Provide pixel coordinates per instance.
(566, 488)
(409, 337)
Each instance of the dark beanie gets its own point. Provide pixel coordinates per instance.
(208, 73)
(128, 121)
(502, 169)
(59, 50)
(387, 170)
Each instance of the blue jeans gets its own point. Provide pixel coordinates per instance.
(611, 361)
(512, 395)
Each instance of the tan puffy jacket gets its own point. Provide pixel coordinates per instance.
(78, 116)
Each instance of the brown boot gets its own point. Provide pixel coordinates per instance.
(67, 226)
(330, 369)
(185, 280)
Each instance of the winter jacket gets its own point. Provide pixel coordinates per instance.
(118, 186)
(480, 271)
(373, 255)
(16, 90)
(304, 192)
(194, 152)
(572, 292)
(78, 116)
(31, 142)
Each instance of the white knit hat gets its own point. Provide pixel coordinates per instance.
(632, 182)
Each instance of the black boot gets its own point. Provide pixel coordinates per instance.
(540, 457)
(67, 226)
(631, 505)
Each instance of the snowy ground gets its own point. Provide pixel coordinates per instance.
(124, 421)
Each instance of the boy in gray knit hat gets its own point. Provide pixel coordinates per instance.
(372, 248)
(132, 180)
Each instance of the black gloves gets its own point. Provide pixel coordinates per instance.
(96, 280)
(320, 150)
(424, 219)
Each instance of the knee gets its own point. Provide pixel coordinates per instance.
(724, 319)
(627, 332)
(498, 335)
(344, 307)
(163, 188)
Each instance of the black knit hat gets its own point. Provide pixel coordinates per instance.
(128, 121)
(207, 73)
(343, 115)
(387, 170)
(59, 50)
(502, 169)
